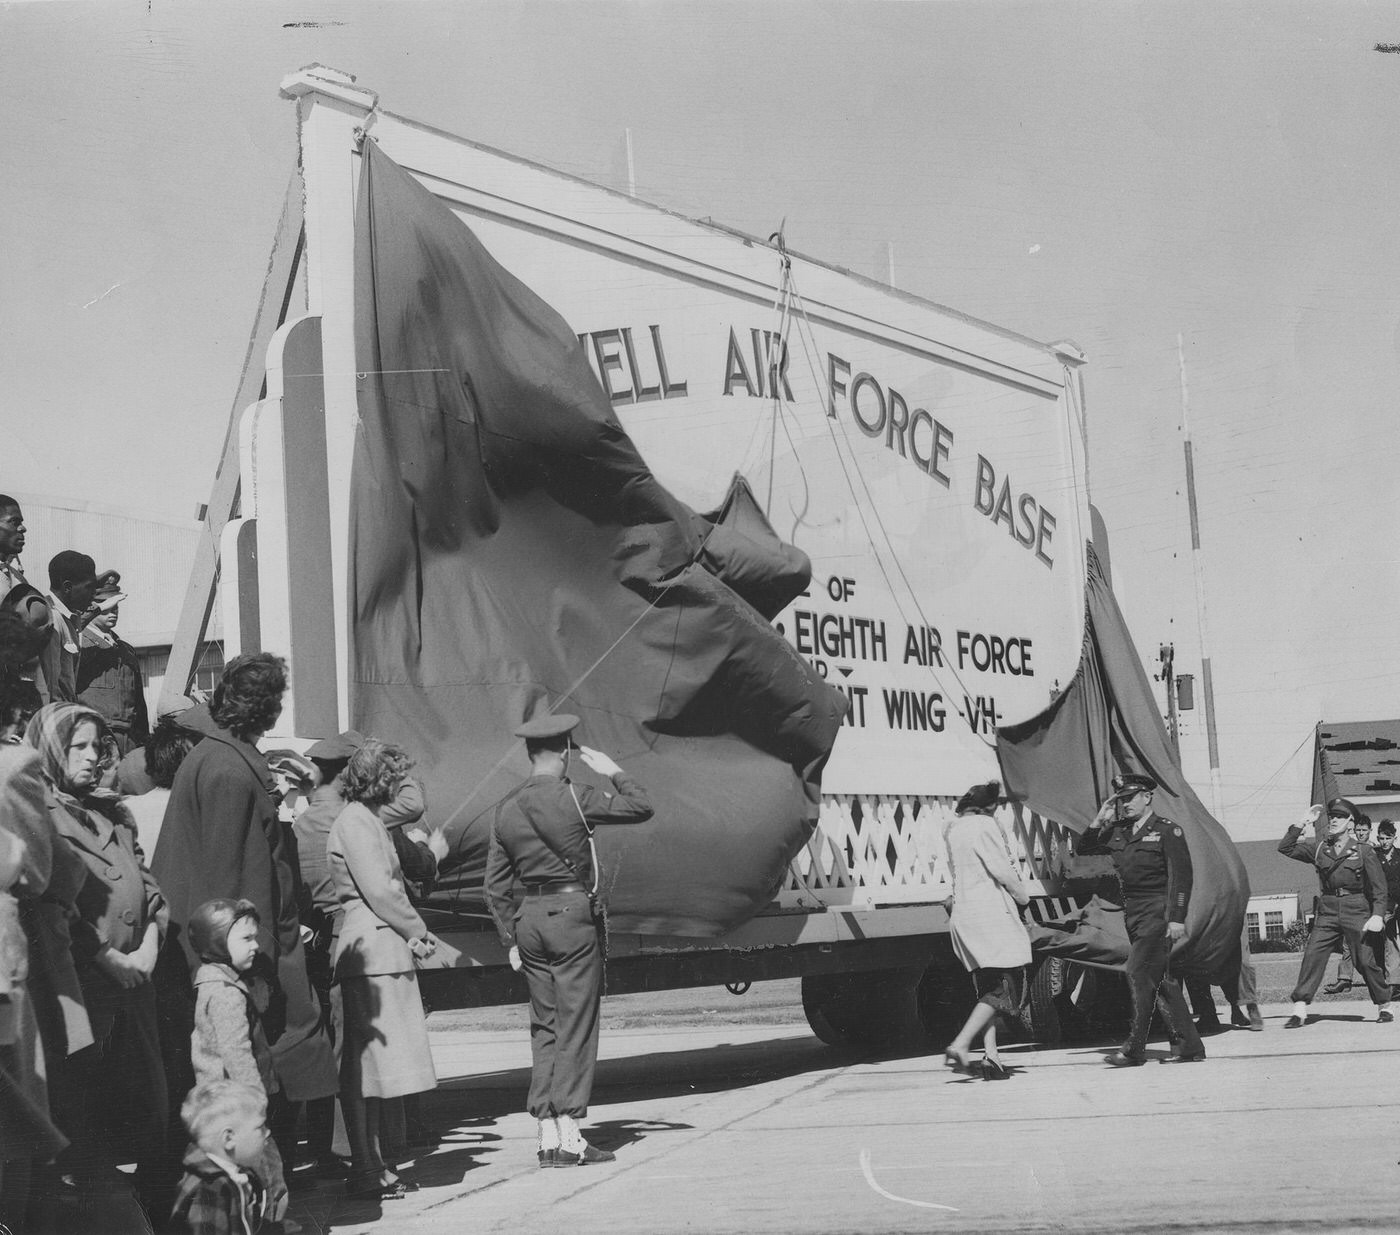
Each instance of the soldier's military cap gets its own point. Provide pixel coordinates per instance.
(342, 746)
(553, 726)
(1132, 783)
(1341, 808)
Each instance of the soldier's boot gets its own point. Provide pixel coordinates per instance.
(1133, 1052)
(1178, 1017)
(548, 1142)
(574, 1150)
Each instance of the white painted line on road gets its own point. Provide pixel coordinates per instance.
(890, 1196)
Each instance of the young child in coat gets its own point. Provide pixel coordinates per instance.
(229, 1042)
(221, 1193)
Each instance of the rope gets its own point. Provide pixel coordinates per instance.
(875, 513)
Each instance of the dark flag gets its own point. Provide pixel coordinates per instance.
(1061, 762)
(511, 553)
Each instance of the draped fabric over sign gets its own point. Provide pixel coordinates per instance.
(511, 553)
(1061, 762)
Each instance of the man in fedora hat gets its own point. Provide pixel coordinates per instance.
(541, 873)
(1352, 903)
(1154, 868)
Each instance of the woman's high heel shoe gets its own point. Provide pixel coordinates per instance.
(957, 1060)
(995, 1070)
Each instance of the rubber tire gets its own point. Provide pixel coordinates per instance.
(875, 1009)
(1062, 1000)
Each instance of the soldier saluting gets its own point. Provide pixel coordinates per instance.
(1154, 869)
(1352, 903)
(541, 873)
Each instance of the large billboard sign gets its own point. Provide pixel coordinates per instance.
(927, 463)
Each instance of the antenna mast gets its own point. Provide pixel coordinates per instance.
(1198, 570)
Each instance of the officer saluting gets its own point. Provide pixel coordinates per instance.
(1154, 869)
(541, 872)
(1353, 902)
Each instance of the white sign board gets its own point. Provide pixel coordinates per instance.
(928, 464)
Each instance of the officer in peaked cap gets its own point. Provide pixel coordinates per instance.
(1154, 869)
(1352, 904)
(541, 876)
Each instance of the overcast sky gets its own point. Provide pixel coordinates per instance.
(1113, 173)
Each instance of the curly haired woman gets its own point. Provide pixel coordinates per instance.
(385, 1053)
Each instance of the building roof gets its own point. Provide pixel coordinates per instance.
(1270, 872)
(1356, 759)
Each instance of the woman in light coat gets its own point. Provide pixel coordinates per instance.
(385, 1052)
(988, 934)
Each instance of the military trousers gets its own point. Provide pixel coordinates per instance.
(1146, 970)
(1340, 919)
(562, 959)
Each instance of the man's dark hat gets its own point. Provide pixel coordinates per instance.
(1132, 783)
(1339, 807)
(554, 726)
(342, 746)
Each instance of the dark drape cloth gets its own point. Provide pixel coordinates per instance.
(1107, 721)
(510, 553)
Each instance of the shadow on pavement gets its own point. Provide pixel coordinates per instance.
(657, 1074)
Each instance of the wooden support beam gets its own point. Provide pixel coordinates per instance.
(273, 307)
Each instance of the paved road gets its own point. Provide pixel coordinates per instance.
(763, 1129)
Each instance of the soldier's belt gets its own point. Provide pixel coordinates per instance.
(553, 889)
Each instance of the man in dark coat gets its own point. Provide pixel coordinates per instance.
(1389, 857)
(1154, 869)
(540, 876)
(223, 838)
(109, 671)
(1352, 905)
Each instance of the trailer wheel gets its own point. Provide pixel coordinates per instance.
(873, 1009)
(946, 995)
(1060, 995)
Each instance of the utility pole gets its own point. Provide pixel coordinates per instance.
(1198, 570)
(631, 168)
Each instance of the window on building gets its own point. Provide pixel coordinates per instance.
(1252, 921)
(1273, 924)
(155, 661)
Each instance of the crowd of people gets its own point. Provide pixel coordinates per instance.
(207, 949)
(204, 948)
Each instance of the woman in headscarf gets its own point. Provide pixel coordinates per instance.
(988, 934)
(113, 1092)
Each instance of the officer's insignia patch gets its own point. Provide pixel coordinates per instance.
(1177, 831)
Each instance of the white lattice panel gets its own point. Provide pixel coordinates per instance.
(879, 849)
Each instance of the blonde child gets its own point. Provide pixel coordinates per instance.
(221, 1193)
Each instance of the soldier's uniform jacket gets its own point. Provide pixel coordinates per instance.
(538, 838)
(1153, 864)
(1345, 869)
